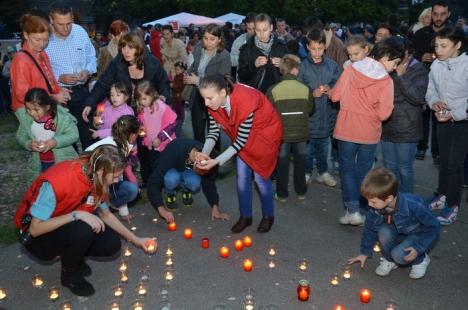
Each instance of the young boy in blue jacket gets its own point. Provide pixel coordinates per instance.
(404, 226)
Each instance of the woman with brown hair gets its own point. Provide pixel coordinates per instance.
(107, 53)
(31, 67)
(132, 65)
(210, 58)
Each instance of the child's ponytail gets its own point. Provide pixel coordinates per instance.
(122, 129)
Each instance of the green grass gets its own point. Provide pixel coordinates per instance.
(8, 234)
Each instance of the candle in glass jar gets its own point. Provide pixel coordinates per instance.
(347, 273)
(272, 251)
(339, 307)
(123, 277)
(365, 295)
(335, 280)
(248, 265)
(150, 246)
(224, 252)
(377, 247)
(123, 266)
(118, 291)
(169, 262)
(115, 305)
(271, 264)
(172, 226)
(169, 275)
(127, 252)
(303, 290)
(3, 293)
(390, 305)
(169, 251)
(54, 293)
(37, 281)
(205, 243)
(66, 305)
(247, 241)
(238, 245)
(187, 233)
(303, 265)
(141, 289)
(138, 305)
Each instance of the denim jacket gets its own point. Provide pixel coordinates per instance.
(411, 217)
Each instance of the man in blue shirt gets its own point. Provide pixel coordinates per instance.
(73, 60)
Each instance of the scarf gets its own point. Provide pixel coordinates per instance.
(264, 47)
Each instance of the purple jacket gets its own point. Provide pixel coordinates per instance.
(110, 115)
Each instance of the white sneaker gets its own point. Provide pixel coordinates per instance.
(355, 219)
(308, 177)
(418, 271)
(326, 179)
(385, 267)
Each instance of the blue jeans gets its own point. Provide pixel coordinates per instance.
(122, 193)
(244, 190)
(355, 162)
(318, 150)
(399, 158)
(188, 180)
(394, 244)
(298, 150)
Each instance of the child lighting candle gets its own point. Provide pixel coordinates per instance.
(224, 252)
(238, 245)
(365, 295)
(247, 241)
(187, 233)
(248, 265)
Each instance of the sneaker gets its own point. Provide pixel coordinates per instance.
(308, 177)
(187, 199)
(355, 219)
(420, 154)
(76, 283)
(171, 202)
(418, 271)
(448, 215)
(385, 267)
(280, 199)
(301, 197)
(326, 179)
(438, 203)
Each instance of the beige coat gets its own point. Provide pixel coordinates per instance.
(172, 53)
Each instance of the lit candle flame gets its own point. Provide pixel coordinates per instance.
(272, 252)
(123, 266)
(169, 262)
(54, 294)
(169, 276)
(37, 281)
(3, 293)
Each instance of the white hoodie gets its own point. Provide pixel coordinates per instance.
(448, 83)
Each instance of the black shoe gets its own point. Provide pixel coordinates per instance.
(241, 224)
(436, 160)
(420, 154)
(76, 283)
(84, 270)
(171, 202)
(187, 199)
(265, 224)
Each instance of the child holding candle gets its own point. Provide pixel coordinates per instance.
(320, 73)
(365, 93)
(47, 130)
(401, 222)
(111, 111)
(65, 213)
(124, 135)
(295, 103)
(255, 129)
(159, 122)
(174, 169)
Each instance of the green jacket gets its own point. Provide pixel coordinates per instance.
(66, 135)
(295, 103)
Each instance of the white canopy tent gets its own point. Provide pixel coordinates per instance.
(185, 19)
(231, 17)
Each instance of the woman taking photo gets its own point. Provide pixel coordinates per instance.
(255, 128)
(210, 58)
(132, 65)
(31, 67)
(65, 213)
(259, 58)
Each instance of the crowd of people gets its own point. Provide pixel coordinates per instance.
(103, 122)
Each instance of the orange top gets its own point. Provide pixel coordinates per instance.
(365, 93)
(25, 75)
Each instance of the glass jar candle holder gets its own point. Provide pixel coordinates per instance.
(118, 290)
(145, 274)
(377, 249)
(188, 234)
(365, 295)
(151, 246)
(169, 251)
(127, 252)
(303, 290)
(3, 293)
(172, 226)
(248, 265)
(205, 243)
(391, 305)
(169, 276)
(37, 281)
(123, 266)
(141, 289)
(114, 305)
(123, 277)
(347, 272)
(247, 241)
(169, 262)
(335, 279)
(137, 305)
(249, 300)
(54, 293)
(272, 251)
(238, 245)
(66, 305)
(303, 265)
(271, 263)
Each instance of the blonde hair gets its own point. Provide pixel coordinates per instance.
(360, 40)
(424, 13)
(145, 88)
(289, 62)
(379, 183)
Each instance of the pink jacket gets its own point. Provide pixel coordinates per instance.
(365, 93)
(155, 122)
(110, 115)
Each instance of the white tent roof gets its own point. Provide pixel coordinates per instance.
(185, 19)
(231, 17)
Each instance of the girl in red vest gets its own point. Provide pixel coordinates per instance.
(255, 129)
(65, 213)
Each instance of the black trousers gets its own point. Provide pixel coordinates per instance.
(147, 160)
(75, 105)
(200, 120)
(72, 242)
(429, 124)
(453, 142)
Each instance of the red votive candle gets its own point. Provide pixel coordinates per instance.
(172, 226)
(187, 233)
(205, 243)
(247, 241)
(248, 265)
(365, 295)
(224, 252)
(238, 245)
(303, 290)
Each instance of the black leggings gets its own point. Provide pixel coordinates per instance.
(72, 242)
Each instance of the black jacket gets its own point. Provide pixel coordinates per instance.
(262, 77)
(405, 123)
(175, 156)
(117, 71)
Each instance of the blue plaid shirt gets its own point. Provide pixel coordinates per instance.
(73, 54)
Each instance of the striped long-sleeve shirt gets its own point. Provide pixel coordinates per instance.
(241, 138)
